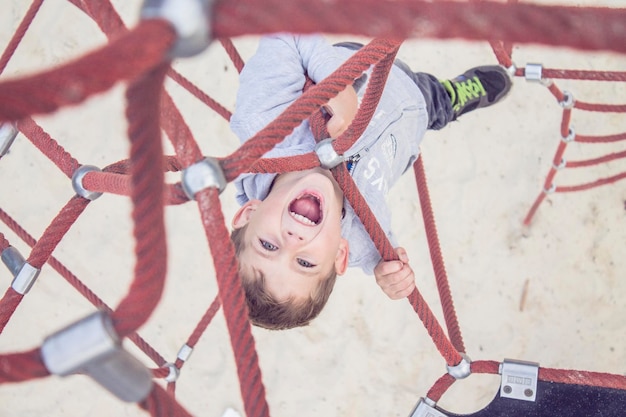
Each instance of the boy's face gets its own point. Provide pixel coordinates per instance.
(293, 237)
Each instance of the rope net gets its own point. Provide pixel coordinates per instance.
(134, 61)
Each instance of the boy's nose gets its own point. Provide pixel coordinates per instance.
(293, 236)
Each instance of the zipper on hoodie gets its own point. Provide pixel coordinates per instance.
(351, 163)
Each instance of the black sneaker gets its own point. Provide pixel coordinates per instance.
(477, 87)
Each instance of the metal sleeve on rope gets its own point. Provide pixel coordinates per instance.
(174, 372)
(568, 100)
(8, 132)
(191, 20)
(204, 174)
(184, 352)
(327, 155)
(462, 369)
(571, 136)
(426, 408)
(91, 346)
(77, 182)
(533, 72)
(24, 273)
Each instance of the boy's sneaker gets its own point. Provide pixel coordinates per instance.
(477, 87)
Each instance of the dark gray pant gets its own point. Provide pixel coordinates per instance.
(438, 103)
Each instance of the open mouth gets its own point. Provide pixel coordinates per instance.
(306, 209)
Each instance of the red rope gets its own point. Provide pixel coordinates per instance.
(160, 404)
(8, 304)
(48, 146)
(147, 196)
(233, 303)
(441, 277)
(590, 28)
(19, 367)
(596, 379)
(56, 230)
(123, 59)
(19, 33)
(199, 94)
(120, 184)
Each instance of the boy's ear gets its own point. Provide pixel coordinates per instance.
(341, 261)
(242, 217)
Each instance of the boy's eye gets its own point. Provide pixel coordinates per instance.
(267, 245)
(305, 264)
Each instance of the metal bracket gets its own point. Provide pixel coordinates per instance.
(8, 132)
(77, 182)
(24, 274)
(519, 379)
(91, 346)
(426, 408)
(327, 155)
(203, 174)
(190, 18)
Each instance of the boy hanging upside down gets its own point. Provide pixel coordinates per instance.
(294, 232)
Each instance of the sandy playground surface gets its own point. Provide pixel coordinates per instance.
(551, 293)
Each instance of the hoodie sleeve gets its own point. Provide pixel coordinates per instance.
(274, 76)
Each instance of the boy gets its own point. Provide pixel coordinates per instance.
(294, 233)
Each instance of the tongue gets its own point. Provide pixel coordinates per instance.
(308, 207)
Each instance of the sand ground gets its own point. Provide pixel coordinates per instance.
(551, 293)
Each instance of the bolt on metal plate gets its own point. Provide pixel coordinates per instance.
(519, 379)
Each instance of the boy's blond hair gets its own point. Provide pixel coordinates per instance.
(265, 311)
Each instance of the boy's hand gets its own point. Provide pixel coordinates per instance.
(342, 108)
(396, 278)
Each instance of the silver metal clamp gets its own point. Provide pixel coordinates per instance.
(191, 20)
(204, 174)
(24, 274)
(8, 132)
(91, 346)
(77, 182)
(327, 155)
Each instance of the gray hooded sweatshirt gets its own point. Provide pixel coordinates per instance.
(273, 78)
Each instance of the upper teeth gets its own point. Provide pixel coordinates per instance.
(302, 219)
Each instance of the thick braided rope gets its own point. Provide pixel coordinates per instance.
(125, 58)
(587, 28)
(147, 198)
(233, 303)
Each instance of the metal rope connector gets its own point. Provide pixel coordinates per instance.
(184, 352)
(191, 20)
(174, 372)
(8, 132)
(462, 369)
(519, 379)
(568, 100)
(327, 155)
(91, 346)
(426, 408)
(77, 182)
(24, 273)
(204, 174)
(533, 72)
(571, 136)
